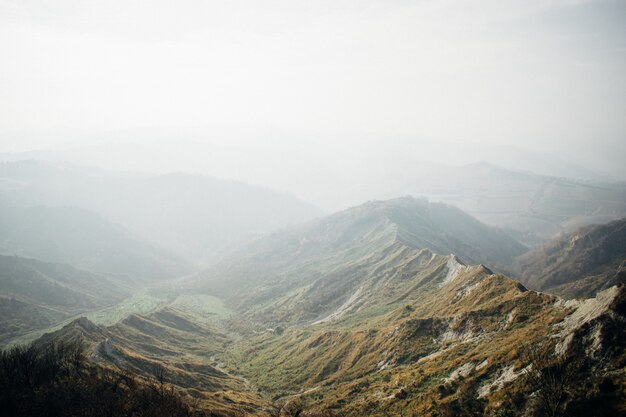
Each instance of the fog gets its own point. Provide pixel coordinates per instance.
(312, 207)
(335, 101)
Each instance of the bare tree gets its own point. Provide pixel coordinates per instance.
(548, 378)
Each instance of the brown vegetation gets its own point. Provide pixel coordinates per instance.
(55, 379)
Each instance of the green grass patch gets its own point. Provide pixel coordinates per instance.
(204, 307)
(137, 304)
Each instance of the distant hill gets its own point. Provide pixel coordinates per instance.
(192, 214)
(84, 239)
(35, 294)
(197, 215)
(577, 264)
(315, 267)
(532, 208)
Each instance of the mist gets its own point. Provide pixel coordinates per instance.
(318, 84)
(323, 208)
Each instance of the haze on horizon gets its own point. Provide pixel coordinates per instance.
(328, 86)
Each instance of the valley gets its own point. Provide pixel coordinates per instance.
(297, 208)
(399, 307)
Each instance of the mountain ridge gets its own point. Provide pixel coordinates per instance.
(324, 261)
(578, 264)
(187, 213)
(376, 310)
(35, 295)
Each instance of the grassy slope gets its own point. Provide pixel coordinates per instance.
(185, 336)
(378, 358)
(578, 264)
(358, 343)
(35, 294)
(305, 272)
(345, 313)
(387, 363)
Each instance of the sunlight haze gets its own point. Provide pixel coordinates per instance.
(543, 75)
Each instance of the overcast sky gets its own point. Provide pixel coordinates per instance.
(540, 74)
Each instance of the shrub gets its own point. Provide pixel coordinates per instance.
(55, 380)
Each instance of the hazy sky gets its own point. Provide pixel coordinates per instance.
(534, 73)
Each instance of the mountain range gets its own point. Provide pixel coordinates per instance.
(397, 307)
(86, 240)
(193, 215)
(324, 263)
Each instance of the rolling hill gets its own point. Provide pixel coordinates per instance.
(388, 308)
(35, 295)
(530, 207)
(318, 266)
(190, 214)
(435, 337)
(183, 340)
(577, 264)
(85, 240)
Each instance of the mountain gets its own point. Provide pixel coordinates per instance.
(180, 341)
(533, 196)
(84, 239)
(219, 151)
(433, 337)
(381, 309)
(319, 264)
(35, 295)
(190, 214)
(532, 208)
(577, 264)
(461, 348)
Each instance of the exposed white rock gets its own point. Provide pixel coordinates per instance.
(454, 268)
(585, 311)
(508, 375)
(456, 333)
(596, 340)
(482, 365)
(431, 356)
(453, 335)
(386, 362)
(510, 318)
(393, 332)
(461, 372)
(342, 308)
(467, 290)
